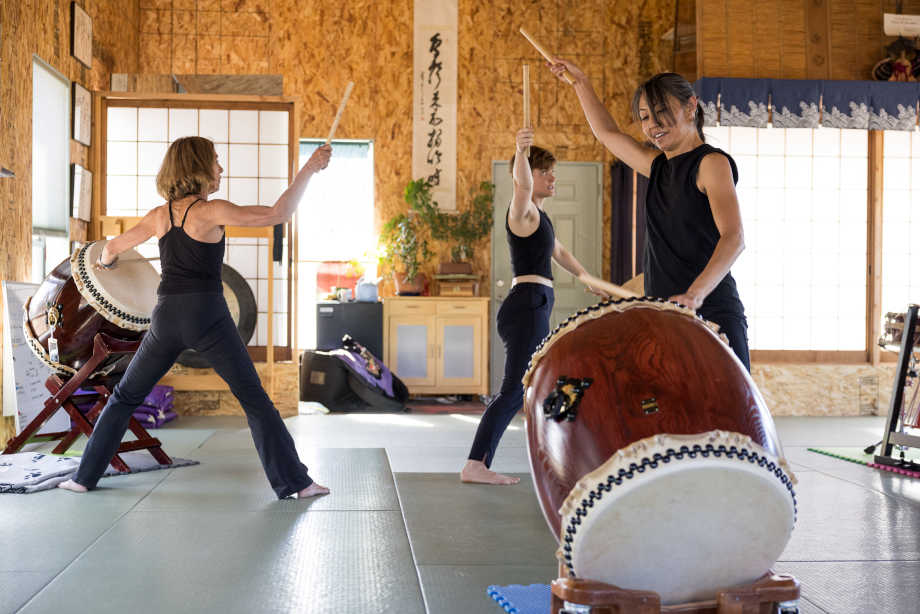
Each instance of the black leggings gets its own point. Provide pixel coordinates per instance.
(523, 322)
(733, 326)
(202, 322)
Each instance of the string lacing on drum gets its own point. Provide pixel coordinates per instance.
(85, 280)
(670, 454)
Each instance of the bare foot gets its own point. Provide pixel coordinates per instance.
(313, 490)
(72, 486)
(476, 472)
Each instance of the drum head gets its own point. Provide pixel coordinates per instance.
(243, 310)
(684, 516)
(124, 295)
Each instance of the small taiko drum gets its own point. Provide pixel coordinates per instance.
(654, 457)
(76, 301)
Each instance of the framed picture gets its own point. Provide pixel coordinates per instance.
(82, 114)
(81, 191)
(81, 35)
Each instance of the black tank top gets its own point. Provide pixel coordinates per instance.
(188, 265)
(532, 255)
(681, 233)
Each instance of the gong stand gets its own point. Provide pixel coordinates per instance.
(892, 437)
(764, 595)
(63, 396)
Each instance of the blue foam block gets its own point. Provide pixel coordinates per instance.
(518, 599)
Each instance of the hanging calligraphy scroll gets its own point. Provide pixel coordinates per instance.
(434, 107)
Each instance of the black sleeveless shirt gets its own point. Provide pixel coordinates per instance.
(188, 265)
(532, 255)
(681, 234)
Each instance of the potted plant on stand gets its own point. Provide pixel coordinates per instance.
(403, 248)
(463, 230)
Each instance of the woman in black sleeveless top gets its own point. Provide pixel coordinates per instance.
(693, 221)
(523, 319)
(191, 311)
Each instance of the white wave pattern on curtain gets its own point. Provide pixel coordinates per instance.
(756, 118)
(857, 118)
(882, 120)
(710, 113)
(808, 117)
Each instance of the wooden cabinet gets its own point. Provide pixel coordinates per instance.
(438, 345)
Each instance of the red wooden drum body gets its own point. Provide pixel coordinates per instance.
(654, 368)
(74, 303)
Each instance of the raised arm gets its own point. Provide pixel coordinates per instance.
(715, 180)
(225, 213)
(523, 217)
(604, 127)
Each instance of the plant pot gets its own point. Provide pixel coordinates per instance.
(413, 288)
(455, 268)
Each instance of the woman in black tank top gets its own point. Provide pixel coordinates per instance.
(191, 311)
(693, 220)
(523, 319)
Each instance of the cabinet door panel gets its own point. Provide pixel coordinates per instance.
(410, 357)
(460, 340)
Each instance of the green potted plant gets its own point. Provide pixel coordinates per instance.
(403, 248)
(462, 229)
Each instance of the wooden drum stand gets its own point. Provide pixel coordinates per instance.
(62, 396)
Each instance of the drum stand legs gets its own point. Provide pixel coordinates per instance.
(764, 596)
(892, 435)
(62, 397)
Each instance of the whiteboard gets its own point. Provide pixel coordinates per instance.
(24, 375)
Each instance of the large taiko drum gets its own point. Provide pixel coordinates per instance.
(76, 301)
(654, 457)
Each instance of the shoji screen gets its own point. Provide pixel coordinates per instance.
(254, 146)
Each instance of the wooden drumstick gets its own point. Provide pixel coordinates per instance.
(338, 115)
(545, 54)
(527, 102)
(610, 288)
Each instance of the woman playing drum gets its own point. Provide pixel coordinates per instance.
(523, 319)
(191, 311)
(693, 221)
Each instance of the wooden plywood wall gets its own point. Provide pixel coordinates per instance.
(793, 39)
(42, 28)
(318, 47)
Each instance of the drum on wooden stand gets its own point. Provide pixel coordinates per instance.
(76, 301)
(654, 457)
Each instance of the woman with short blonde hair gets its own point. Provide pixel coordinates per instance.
(191, 311)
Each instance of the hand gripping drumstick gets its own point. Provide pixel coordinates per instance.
(527, 102)
(545, 54)
(338, 115)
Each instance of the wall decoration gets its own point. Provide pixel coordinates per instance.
(81, 192)
(434, 106)
(82, 114)
(81, 35)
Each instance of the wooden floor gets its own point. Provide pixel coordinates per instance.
(399, 533)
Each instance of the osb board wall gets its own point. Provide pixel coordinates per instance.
(319, 47)
(42, 28)
(222, 402)
(825, 390)
(775, 38)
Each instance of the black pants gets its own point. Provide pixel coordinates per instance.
(202, 322)
(733, 326)
(523, 322)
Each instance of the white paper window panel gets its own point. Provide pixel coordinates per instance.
(223, 155)
(182, 122)
(147, 196)
(741, 140)
(243, 191)
(273, 127)
(771, 141)
(827, 142)
(244, 126)
(896, 144)
(121, 124)
(897, 172)
(121, 158)
(798, 172)
(244, 161)
(214, 124)
(261, 330)
(799, 142)
(150, 157)
(854, 143)
(771, 171)
(280, 297)
(244, 258)
(915, 144)
(221, 192)
(270, 190)
(747, 171)
(826, 173)
(279, 332)
(273, 161)
(233, 241)
(121, 195)
(152, 124)
(853, 173)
